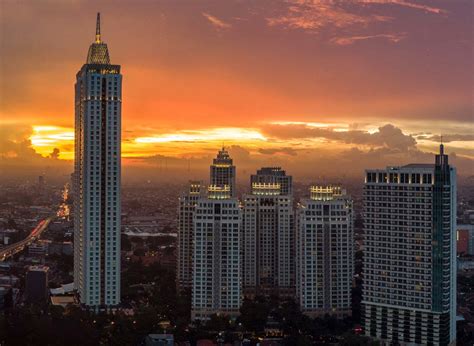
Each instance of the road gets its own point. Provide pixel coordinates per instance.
(12, 249)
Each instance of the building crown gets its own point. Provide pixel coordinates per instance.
(98, 51)
(326, 193)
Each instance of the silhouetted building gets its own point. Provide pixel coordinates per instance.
(409, 267)
(325, 252)
(36, 290)
(6, 297)
(97, 178)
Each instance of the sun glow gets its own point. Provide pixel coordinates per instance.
(45, 136)
(45, 139)
(210, 135)
(339, 126)
(140, 143)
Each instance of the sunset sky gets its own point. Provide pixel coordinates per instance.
(310, 85)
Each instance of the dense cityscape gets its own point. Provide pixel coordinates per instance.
(253, 258)
(156, 227)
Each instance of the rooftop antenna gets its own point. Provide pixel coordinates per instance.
(97, 29)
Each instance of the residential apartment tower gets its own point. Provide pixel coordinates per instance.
(325, 252)
(217, 282)
(268, 235)
(409, 268)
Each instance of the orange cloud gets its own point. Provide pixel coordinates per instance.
(44, 139)
(184, 154)
(344, 41)
(315, 15)
(318, 14)
(265, 138)
(406, 4)
(215, 134)
(216, 22)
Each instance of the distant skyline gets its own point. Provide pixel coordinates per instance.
(314, 86)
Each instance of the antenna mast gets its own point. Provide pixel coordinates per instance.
(97, 29)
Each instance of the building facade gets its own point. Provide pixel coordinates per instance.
(465, 239)
(462, 241)
(217, 282)
(98, 100)
(409, 267)
(222, 172)
(36, 285)
(325, 252)
(268, 237)
(186, 208)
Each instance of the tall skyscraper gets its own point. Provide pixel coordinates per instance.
(223, 171)
(409, 292)
(268, 235)
(273, 175)
(186, 209)
(217, 283)
(325, 252)
(97, 178)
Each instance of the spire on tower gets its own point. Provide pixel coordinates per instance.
(98, 52)
(97, 29)
(441, 146)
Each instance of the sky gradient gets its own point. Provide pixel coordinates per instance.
(364, 83)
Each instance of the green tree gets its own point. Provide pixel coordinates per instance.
(218, 323)
(254, 314)
(125, 243)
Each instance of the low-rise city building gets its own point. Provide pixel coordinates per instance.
(36, 290)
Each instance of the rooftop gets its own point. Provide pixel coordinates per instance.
(39, 268)
(223, 157)
(419, 165)
(409, 166)
(326, 193)
(62, 300)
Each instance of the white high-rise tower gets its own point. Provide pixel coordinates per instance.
(217, 282)
(187, 205)
(268, 235)
(98, 103)
(325, 252)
